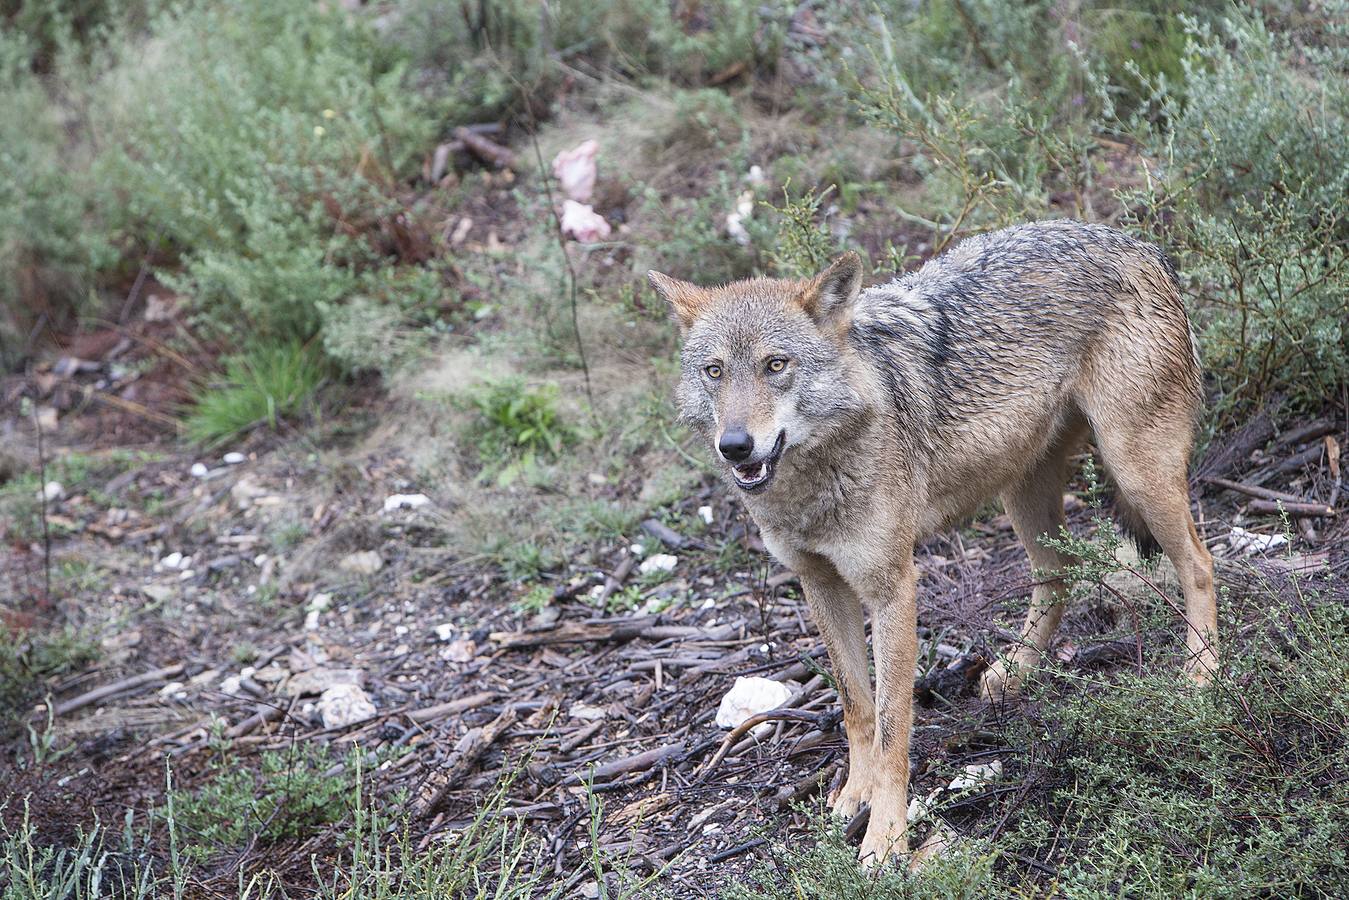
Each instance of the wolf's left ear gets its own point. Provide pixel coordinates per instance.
(687, 301)
(828, 297)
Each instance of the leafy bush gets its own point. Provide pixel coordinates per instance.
(1254, 169)
(48, 253)
(484, 61)
(289, 796)
(262, 387)
(262, 141)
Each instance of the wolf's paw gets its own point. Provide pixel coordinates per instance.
(856, 792)
(885, 839)
(1000, 681)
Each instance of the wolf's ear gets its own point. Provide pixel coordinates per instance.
(828, 297)
(687, 301)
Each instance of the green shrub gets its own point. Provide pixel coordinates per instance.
(483, 60)
(288, 796)
(1254, 169)
(262, 142)
(261, 387)
(49, 254)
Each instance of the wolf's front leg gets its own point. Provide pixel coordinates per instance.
(838, 614)
(894, 627)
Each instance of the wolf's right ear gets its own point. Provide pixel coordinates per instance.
(687, 301)
(828, 297)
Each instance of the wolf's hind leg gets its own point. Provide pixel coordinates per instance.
(838, 614)
(1036, 508)
(1148, 466)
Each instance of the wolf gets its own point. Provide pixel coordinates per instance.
(855, 423)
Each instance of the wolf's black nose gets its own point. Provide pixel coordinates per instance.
(736, 446)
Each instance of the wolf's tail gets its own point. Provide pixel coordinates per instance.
(1135, 528)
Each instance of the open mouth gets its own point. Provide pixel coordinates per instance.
(756, 475)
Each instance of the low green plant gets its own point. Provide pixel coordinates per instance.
(288, 796)
(29, 658)
(1252, 171)
(262, 387)
(822, 865)
(515, 424)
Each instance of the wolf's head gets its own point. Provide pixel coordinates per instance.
(763, 364)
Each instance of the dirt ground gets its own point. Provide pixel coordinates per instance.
(223, 602)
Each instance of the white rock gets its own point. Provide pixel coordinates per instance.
(459, 651)
(233, 458)
(173, 561)
(735, 227)
(638, 550)
(586, 711)
(232, 685)
(756, 177)
(576, 170)
(749, 696)
(53, 491)
(596, 592)
(405, 501)
(343, 705)
(660, 562)
(367, 562)
(976, 774)
(445, 631)
(705, 513)
(199, 470)
(320, 602)
(311, 620)
(319, 679)
(708, 603)
(172, 689)
(583, 223)
(1249, 542)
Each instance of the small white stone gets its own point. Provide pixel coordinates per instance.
(400, 630)
(749, 696)
(976, 774)
(705, 513)
(231, 685)
(311, 620)
(344, 705)
(186, 574)
(199, 470)
(586, 711)
(367, 562)
(637, 550)
(660, 562)
(172, 561)
(53, 491)
(596, 592)
(233, 458)
(708, 603)
(320, 602)
(171, 689)
(445, 631)
(405, 501)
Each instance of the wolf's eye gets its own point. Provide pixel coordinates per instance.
(777, 364)
(713, 371)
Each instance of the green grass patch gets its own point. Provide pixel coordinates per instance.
(264, 387)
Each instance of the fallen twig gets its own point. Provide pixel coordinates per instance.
(117, 687)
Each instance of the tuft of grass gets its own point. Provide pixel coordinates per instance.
(259, 388)
(516, 424)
